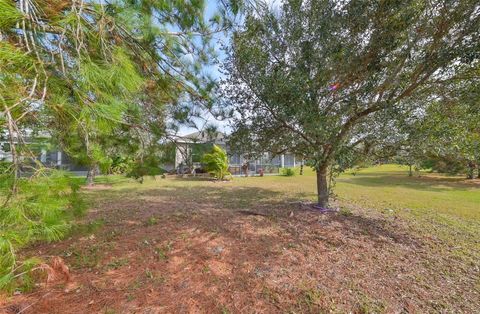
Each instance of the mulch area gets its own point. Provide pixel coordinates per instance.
(200, 256)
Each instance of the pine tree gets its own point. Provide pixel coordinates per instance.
(81, 71)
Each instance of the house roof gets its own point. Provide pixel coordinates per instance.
(203, 137)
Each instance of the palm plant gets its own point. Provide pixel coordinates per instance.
(216, 163)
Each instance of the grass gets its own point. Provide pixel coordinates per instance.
(447, 207)
(385, 187)
(389, 187)
(396, 242)
(441, 206)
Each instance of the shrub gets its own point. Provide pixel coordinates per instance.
(216, 163)
(5, 167)
(41, 211)
(121, 165)
(451, 165)
(149, 166)
(288, 172)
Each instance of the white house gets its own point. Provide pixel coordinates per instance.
(188, 153)
(49, 158)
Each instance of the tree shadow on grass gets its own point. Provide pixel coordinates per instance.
(221, 204)
(424, 183)
(377, 229)
(193, 179)
(224, 237)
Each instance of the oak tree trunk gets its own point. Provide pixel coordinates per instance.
(322, 187)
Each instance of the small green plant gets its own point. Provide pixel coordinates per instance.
(270, 295)
(345, 212)
(216, 163)
(287, 172)
(291, 246)
(224, 310)
(110, 311)
(151, 221)
(310, 300)
(161, 254)
(87, 228)
(117, 263)
(367, 305)
(88, 258)
(130, 297)
(149, 274)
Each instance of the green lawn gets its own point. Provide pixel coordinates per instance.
(444, 206)
(436, 205)
(389, 187)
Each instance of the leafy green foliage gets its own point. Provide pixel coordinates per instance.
(109, 77)
(447, 136)
(5, 167)
(9, 14)
(149, 166)
(199, 150)
(40, 213)
(99, 81)
(216, 162)
(287, 172)
(452, 137)
(322, 79)
(120, 165)
(443, 164)
(167, 153)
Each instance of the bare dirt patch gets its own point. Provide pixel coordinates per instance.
(97, 187)
(220, 250)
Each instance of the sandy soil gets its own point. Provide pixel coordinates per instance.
(161, 251)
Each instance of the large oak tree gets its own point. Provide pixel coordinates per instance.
(318, 78)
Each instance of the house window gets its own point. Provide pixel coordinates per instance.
(276, 161)
(235, 159)
(288, 159)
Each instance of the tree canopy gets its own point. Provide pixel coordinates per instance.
(100, 80)
(320, 78)
(82, 70)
